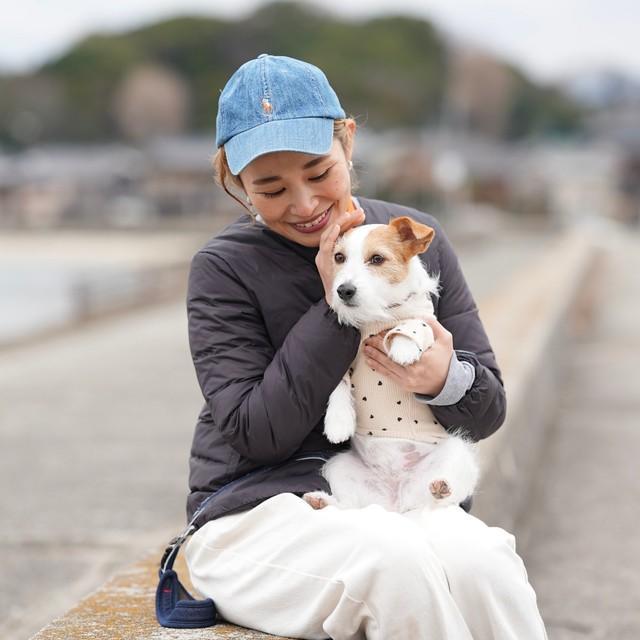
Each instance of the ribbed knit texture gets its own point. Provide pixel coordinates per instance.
(385, 410)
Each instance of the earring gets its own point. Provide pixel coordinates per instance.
(252, 212)
(350, 165)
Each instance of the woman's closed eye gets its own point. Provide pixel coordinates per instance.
(320, 178)
(273, 194)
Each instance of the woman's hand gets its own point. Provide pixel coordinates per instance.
(324, 260)
(427, 375)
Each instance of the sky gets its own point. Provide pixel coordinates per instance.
(550, 39)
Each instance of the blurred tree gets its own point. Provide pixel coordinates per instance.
(151, 101)
(479, 92)
(539, 110)
(29, 106)
(88, 75)
(390, 71)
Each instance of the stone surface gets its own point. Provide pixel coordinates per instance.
(579, 539)
(124, 610)
(98, 428)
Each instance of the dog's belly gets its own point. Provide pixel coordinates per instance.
(402, 475)
(391, 459)
(385, 471)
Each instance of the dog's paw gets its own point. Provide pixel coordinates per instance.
(403, 350)
(440, 489)
(340, 421)
(339, 429)
(319, 499)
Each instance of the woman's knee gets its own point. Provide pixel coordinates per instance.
(484, 560)
(393, 549)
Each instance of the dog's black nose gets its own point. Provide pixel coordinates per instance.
(346, 291)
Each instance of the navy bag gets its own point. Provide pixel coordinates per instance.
(175, 606)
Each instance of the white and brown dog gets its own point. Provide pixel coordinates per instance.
(400, 456)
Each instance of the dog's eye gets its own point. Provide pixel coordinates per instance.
(376, 259)
(339, 258)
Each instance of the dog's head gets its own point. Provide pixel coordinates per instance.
(377, 270)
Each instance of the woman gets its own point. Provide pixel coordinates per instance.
(268, 351)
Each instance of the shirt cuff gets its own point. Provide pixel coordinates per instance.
(459, 380)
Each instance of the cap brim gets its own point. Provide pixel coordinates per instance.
(305, 135)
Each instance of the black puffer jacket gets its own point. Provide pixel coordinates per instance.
(268, 352)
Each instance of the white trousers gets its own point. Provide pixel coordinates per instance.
(289, 570)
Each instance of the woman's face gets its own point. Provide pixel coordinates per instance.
(298, 194)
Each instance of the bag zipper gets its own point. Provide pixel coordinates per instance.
(311, 458)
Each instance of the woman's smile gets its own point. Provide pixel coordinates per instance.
(314, 225)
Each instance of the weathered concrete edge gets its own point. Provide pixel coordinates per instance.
(560, 284)
(123, 608)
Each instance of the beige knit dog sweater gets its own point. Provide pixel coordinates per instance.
(383, 409)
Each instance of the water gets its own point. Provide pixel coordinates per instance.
(39, 297)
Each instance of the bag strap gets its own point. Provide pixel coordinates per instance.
(176, 608)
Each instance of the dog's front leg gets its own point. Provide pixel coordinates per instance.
(406, 342)
(340, 419)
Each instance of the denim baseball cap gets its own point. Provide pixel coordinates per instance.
(275, 103)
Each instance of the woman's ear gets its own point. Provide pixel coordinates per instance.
(351, 128)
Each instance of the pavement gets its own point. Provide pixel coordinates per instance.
(580, 537)
(95, 440)
(96, 427)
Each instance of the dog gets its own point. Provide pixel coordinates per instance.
(401, 457)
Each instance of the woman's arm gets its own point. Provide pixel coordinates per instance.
(264, 401)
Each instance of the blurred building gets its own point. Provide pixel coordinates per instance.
(109, 185)
(563, 181)
(581, 181)
(170, 179)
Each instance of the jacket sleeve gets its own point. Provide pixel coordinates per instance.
(264, 401)
(482, 409)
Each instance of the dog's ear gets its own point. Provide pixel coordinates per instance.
(416, 236)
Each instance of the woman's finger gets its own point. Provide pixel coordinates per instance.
(352, 219)
(440, 334)
(376, 341)
(328, 239)
(341, 220)
(343, 223)
(382, 360)
(347, 219)
(437, 328)
(380, 369)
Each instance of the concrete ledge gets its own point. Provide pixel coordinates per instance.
(528, 323)
(124, 609)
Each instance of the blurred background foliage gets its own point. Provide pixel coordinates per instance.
(388, 71)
